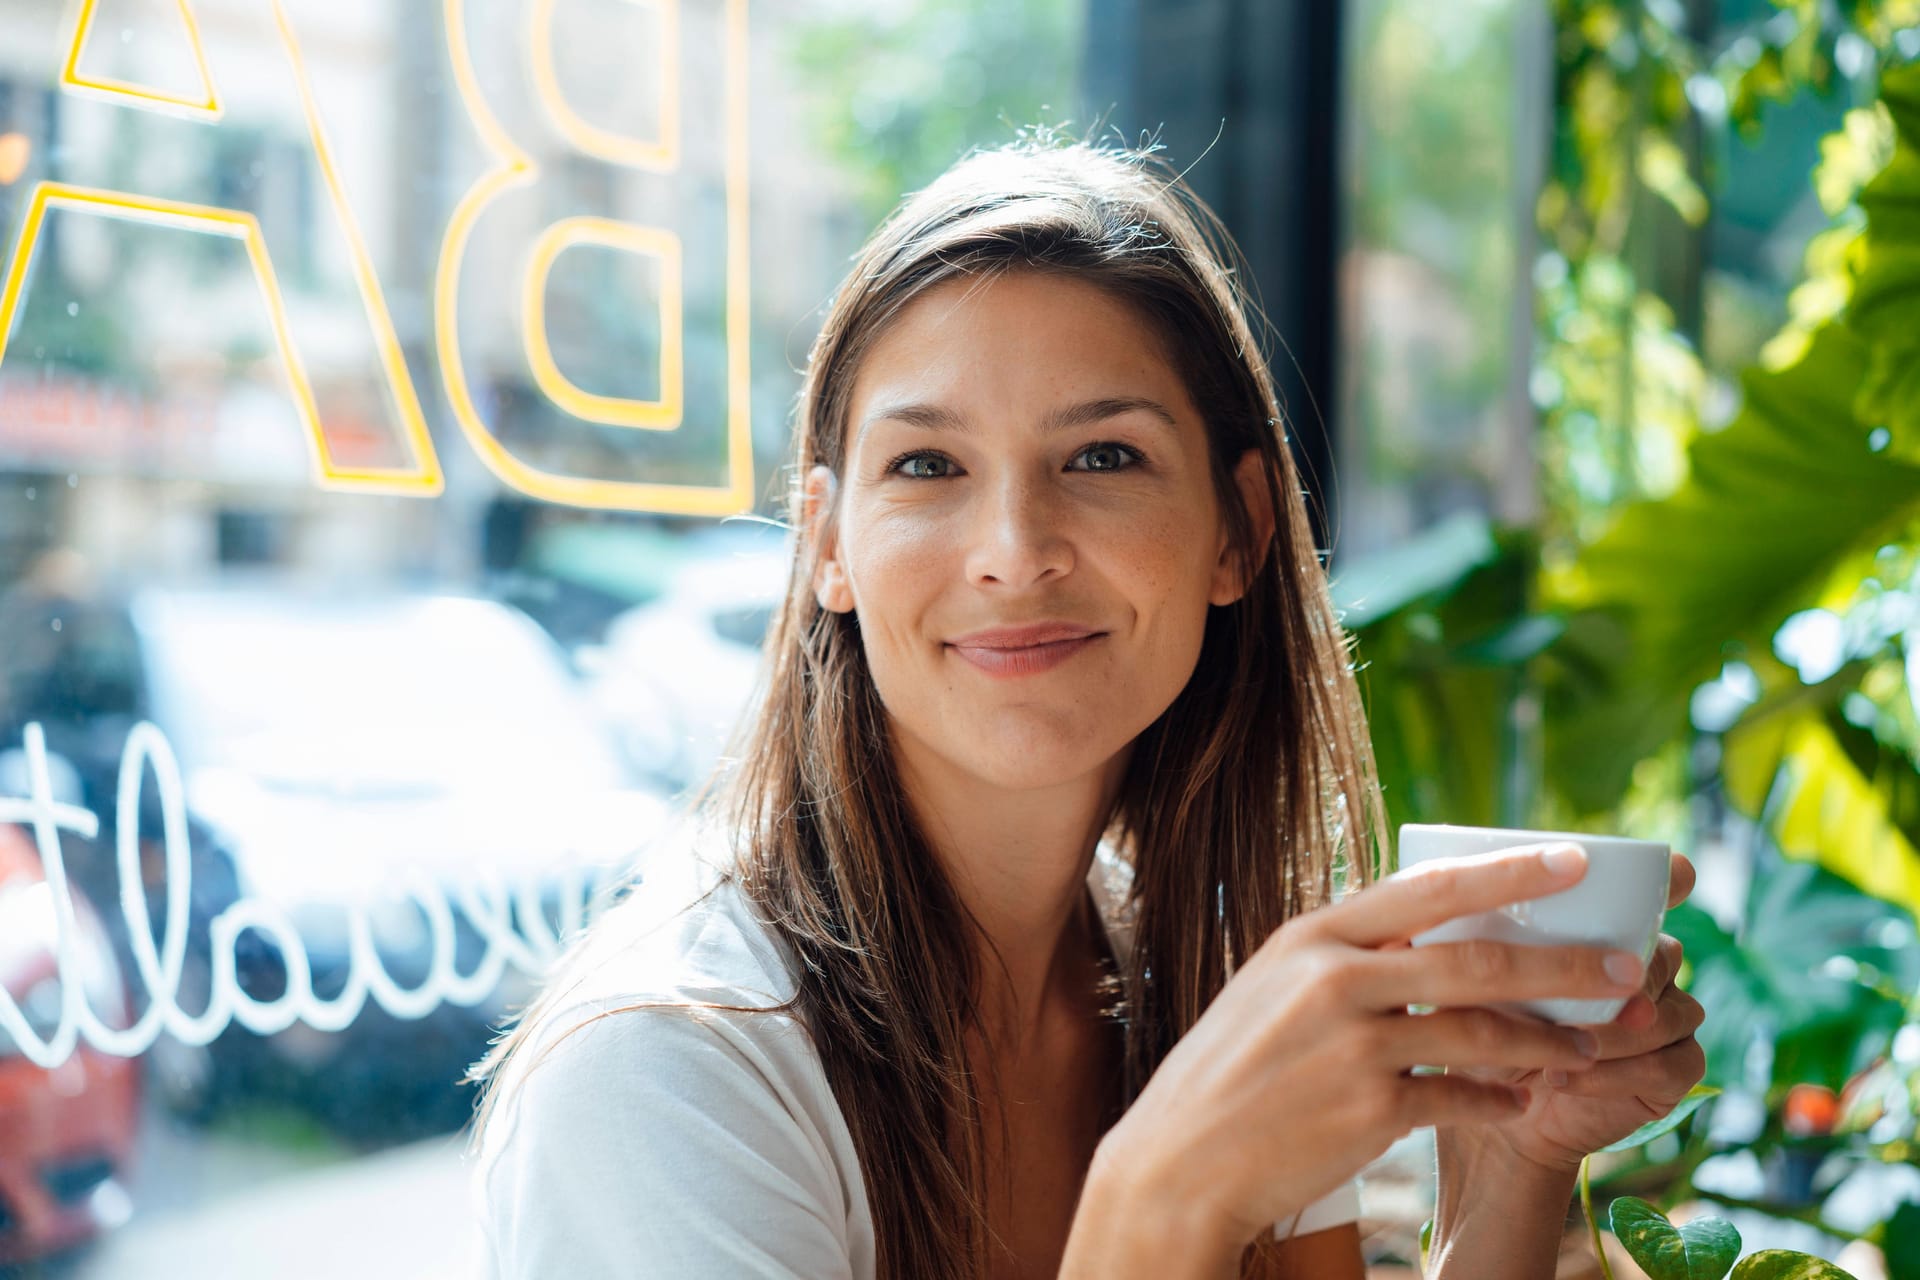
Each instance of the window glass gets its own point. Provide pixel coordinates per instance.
(1438, 202)
(374, 379)
(380, 384)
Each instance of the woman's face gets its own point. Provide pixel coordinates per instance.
(1026, 527)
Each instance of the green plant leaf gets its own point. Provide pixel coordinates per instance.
(1794, 976)
(1426, 1243)
(1785, 1264)
(1699, 1250)
(1824, 808)
(1665, 1124)
(1793, 486)
(1747, 540)
(1432, 564)
(1885, 294)
(1437, 656)
(1901, 1243)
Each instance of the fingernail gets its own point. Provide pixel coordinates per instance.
(1520, 1094)
(1623, 967)
(1587, 1043)
(1556, 1078)
(1565, 860)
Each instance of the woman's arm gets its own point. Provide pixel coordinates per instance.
(1129, 1227)
(1297, 1075)
(1126, 1225)
(1496, 1216)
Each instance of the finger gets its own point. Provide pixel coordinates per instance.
(1456, 1101)
(1483, 971)
(1460, 1039)
(1641, 1012)
(1431, 893)
(1637, 1014)
(1680, 879)
(1674, 1017)
(1663, 967)
(1663, 1073)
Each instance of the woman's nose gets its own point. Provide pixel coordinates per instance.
(1018, 536)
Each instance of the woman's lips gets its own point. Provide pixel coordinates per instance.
(1024, 651)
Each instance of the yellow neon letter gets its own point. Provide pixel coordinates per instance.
(163, 213)
(660, 415)
(420, 476)
(205, 104)
(516, 168)
(660, 154)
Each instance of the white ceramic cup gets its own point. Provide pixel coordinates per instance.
(1620, 902)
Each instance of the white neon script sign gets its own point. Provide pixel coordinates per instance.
(508, 919)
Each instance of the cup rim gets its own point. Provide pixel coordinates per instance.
(1533, 836)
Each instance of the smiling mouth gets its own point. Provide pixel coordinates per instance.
(1025, 659)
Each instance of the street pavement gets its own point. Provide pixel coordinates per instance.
(400, 1213)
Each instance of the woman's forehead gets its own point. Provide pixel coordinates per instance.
(1031, 340)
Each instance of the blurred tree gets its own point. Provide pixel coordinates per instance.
(896, 92)
(1791, 552)
(1435, 98)
(1653, 98)
(1672, 546)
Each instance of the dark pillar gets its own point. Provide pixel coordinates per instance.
(1255, 85)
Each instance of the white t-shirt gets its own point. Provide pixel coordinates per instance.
(650, 1143)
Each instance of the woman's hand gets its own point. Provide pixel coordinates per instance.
(1648, 1060)
(1299, 1073)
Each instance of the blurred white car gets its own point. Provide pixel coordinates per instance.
(675, 674)
(337, 751)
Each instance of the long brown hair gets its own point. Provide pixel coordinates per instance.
(1250, 800)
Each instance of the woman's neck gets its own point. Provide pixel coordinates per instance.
(1018, 861)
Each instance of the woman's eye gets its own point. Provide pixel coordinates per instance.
(1106, 457)
(922, 466)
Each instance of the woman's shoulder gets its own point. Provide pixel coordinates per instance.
(657, 1077)
(685, 928)
(656, 1141)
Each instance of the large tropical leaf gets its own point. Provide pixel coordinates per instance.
(1772, 502)
(1886, 292)
(1816, 971)
(1841, 808)
(1428, 567)
(1796, 485)
(1441, 633)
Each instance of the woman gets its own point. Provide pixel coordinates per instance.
(1019, 954)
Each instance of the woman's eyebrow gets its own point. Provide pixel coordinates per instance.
(935, 417)
(1091, 411)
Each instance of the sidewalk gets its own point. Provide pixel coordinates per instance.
(399, 1214)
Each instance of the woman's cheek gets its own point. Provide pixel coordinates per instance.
(900, 563)
(1153, 554)
(906, 563)
(1168, 577)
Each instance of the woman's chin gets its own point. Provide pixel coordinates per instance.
(1032, 762)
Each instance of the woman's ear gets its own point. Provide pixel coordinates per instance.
(831, 586)
(1230, 578)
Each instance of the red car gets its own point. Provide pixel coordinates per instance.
(66, 1135)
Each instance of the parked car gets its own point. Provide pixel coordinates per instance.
(336, 752)
(675, 674)
(67, 1134)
